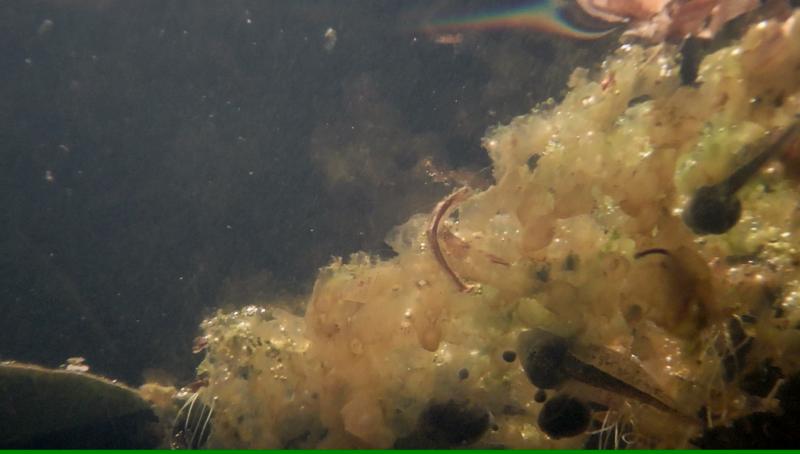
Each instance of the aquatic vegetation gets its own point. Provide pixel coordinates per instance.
(588, 247)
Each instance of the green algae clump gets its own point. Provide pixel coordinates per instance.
(557, 247)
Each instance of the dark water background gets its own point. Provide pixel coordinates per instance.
(160, 159)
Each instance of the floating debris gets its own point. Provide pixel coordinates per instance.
(329, 39)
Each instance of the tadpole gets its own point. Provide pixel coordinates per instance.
(548, 361)
(715, 209)
(564, 416)
(542, 355)
(454, 422)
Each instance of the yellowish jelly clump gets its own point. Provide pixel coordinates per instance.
(581, 189)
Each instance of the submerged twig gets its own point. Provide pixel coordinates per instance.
(439, 212)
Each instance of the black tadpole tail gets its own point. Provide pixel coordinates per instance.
(586, 373)
(740, 176)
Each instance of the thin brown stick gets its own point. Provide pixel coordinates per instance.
(439, 212)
